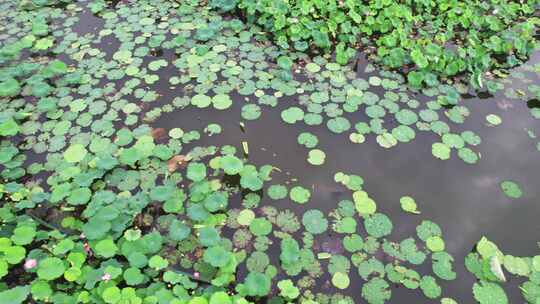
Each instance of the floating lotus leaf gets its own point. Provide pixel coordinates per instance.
(408, 204)
(9, 127)
(50, 268)
(15, 295)
(314, 221)
(292, 115)
(257, 284)
(231, 164)
(287, 289)
(489, 293)
(251, 111)
(426, 229)
(196, 171)
(378, 225)
(75, 153)
(364, 205)
(340, 280)
(308, 140)
(429, 287)
(376, 291)
(440, 151)
(277, 192)
(201, 101)
(511, 189)
(299, 194)
(245, 217)
(221, 101)
(9, 87)
(435, 243)
(260, 226)
(316, 157)
(493, 119)
(217, 256)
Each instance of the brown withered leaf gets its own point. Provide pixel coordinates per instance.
(158, 133)
(177, 161)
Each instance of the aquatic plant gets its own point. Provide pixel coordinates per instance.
(102, 205)
(434, 39)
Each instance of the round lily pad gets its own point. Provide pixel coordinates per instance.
(511, 189)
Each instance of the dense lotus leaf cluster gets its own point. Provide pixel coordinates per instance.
(491, 267)
(101, 206)
(430, 39)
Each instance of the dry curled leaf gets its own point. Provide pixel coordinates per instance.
(158, 133)
(177, 161)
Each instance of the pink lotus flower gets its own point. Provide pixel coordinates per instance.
(30, 263)
(106, 277)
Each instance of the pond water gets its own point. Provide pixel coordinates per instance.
(464, 199)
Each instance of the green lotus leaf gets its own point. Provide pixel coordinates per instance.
(493, 119)
(314, 221)
(50, 268)
(408, 204)
(9, 127)
(106, 248)
(251, 112)
(435, 243)
(468, 155)
(44, 43)
(511, 189)
(429, 287)
(453, 140)
(220, 297)
(440, 151)
(308, 140)
(290, 252)
(201, 101)
(157, 262)
(75, 153)
(299, 194)
(196, 172)
(40, 290)
(245, 217)
(161, 193)
(338, 125)
(251, 180)
(15, 295)
(9, 87)
(57, 67)
(516, 265)
(277, 192)
(178, 231)
(287, 289)
(231, 164)
(489, 293)
(257, 284)
(364, 205)
(176, 133)
(260, 226)
(316, 157)
(378, 225)
(285, 62)
(221, 101)
(376, 291)
(292, 115)
(426, 229)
